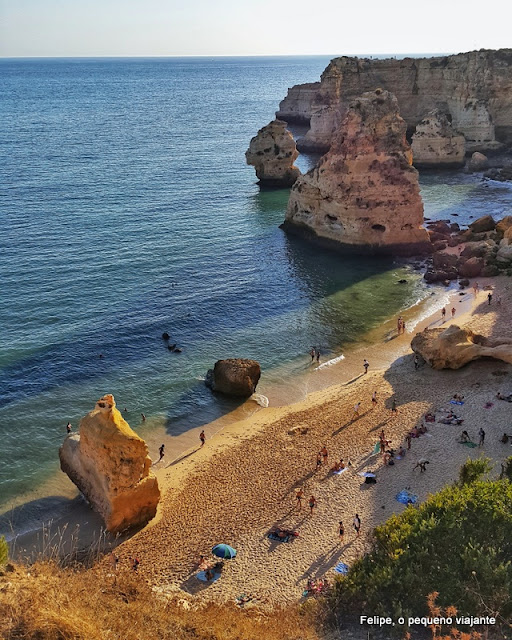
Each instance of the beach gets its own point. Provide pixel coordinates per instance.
(244, 480)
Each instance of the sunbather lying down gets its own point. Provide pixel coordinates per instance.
(451, 418)
(243, 598)
(317, 585)
(283, 533)
(501, 396)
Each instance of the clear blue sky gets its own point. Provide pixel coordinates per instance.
(250, 27)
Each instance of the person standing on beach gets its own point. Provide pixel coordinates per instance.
(489, 297)
(357, 524)
(318, 460)
(481, 433)
(443, 313)
(393, 406)
(416, 362)
(374, 399)
(475, 288)
(408, 439)
(312, 353)
(298, 498)
(318, 355)
(399, 325)
(324, 453)
(366, 364)
(498, 301)
(453, 312)
(161, 451)
(312, 503)
(68, 427)
(356, 410)
(341, 530)
(202, 437)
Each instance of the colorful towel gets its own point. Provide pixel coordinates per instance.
(376, 448)
(405, 497)
(456, 402)
(471, 445)
(342, 568)
(337, 473)
(274, 536)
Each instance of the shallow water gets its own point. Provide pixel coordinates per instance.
(127, 210)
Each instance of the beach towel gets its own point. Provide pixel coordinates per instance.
(488, 405)
(274, 536)
(202, 576)
(471, 445)
(366, 474)
(337, 473)
(405, 497)
(456, 402)
(376, 448)
(342, 568)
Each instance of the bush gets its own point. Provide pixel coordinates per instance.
(473, 470)
(457, 543)
(507, 468)
(4, 555)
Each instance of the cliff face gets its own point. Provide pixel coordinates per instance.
(474, 88)
(272, 153)
(109, 464)
(364, 191)
(435, 143)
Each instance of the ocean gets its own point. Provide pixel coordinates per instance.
(127, 210)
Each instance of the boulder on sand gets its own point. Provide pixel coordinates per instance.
(485, 223)
(109, 464)
(234, 377)
(478, 162)
(454, 347)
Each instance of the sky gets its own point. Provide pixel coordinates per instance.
(250, 27)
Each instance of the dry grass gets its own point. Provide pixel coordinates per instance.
(45, 602)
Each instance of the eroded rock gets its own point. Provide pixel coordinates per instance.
(454, 347)
(109, 464)
(436, 144)
(272, 152)
(234, 377)
(478, 162)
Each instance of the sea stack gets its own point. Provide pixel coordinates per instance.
(364, 192)
(436, 144)
(109, 464)
(234, 377)
(272, 152)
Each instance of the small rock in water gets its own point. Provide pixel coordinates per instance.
(402, 281)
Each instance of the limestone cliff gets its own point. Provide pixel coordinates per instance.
(474, 88)
(436, 144)
(110, 465)
(364, 191)
(272, 152)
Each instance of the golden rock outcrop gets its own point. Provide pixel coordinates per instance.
(272, 152)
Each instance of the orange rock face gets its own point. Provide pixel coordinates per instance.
(364, 192)
(109, 464)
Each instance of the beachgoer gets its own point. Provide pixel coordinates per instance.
(374, 399)
(324, 453)
(408, 439)
(312, 503)
(357, 524)
(393, 406)
(422, 464)
(298, 498)
(366, 364)
(161, 451)
(318, 355)
(498, 301)
(341, 530)
(356, 410)
(504, 438)
(202, 437)
(464, 437)
(489, 297)
(481, 433)
(143, 417)
(318, 460)
(475, 288)
(403, 326)
(416, 362)
(68, 427)
(135, 564)
(312, 353)
(453, 312)
(399, 325)
(401, 451)
(443, 313)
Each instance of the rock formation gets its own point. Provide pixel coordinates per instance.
(474, 88)
(364, 191)
(454, 347)
(110, 465)
(436, 144)
(478, 162)
(272, 153)
(234, 377)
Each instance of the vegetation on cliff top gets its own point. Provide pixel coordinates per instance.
(458, 543)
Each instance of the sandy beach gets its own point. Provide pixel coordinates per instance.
(244, 480)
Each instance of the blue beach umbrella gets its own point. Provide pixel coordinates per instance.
(223, 551)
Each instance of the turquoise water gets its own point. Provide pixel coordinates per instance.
(126, 210)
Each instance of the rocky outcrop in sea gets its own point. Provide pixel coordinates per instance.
(473, 89)
(109, 464)
(272, 152)
(364, 192)
(436, 144)
(234, 377)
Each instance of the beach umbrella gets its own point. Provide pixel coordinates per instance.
(223, 551)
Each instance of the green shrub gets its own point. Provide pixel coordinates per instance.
(4, 555)
(457, 543)
(507, 468)
(473, 470)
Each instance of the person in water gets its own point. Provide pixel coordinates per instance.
(68, 427)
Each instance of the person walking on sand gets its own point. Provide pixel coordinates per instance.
(298, 498)
(202, 437)
(408, 439)
(357, 524)
(489, 297)
(481, 433)
(356, 410)
(416, 362)
(318, 460)
(312, 503)
(374, 399)
(393, 406)
(475, 288)
(366, 364)
(453, 312)
(443, 313)
(161, 451)
(318, 355)
(324, 453)
(312, 353)
(399, 325)
(68, 427)
(341, 530)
